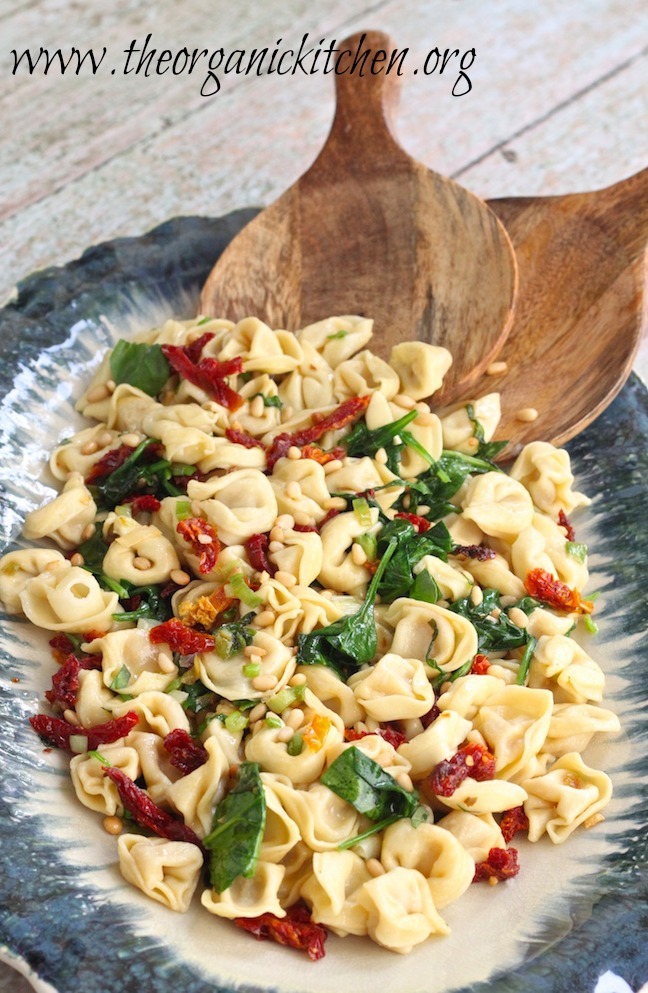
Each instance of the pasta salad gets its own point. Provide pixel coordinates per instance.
(314, 648)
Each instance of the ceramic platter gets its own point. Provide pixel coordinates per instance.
(67, 919)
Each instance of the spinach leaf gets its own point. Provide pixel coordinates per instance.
(436, 486)
(400, 580)
(199, 697)
(486, 449)
(350, 641)
(232, 638)
(525, 661)
(356, 778)
(269, 401)
(361, 441)
(93, 551)
(149, 602)
(237, 830)
(141, 472)
(143, 366)
(493, 634)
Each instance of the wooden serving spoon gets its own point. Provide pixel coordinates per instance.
(581, 311)
(368, 230)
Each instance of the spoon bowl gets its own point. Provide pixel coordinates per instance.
(368, 230)
(581, 310)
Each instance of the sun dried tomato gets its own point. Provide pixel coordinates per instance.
(296, 930)
(65, 683)
(185, 754)
(303, 528)
(62, 647)
(108, 462)
(181, 638)
(144, 504)
(57, 732)
(194, 350)
(430, 717)
(502, 863)
(514, 820)
(480, 552)
(554, 593)
(220, 600)
(391, 735)
(329, 517)
(192, 529)
(146, 813)
(317, 454)
(420, 523)
(208, 374)
(344, 414)
(480, 665)
(238, 437)
(257, 552)
(564, 522)
(472, 760)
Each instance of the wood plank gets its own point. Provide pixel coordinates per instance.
(526, 63)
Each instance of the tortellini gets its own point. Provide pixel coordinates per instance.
(219, 573)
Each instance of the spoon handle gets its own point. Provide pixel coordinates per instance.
(361, 139)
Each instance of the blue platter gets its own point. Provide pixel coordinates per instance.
(66, 919)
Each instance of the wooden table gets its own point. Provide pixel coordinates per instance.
(558, 103)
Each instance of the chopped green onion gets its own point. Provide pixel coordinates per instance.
(178, 695)
(236, 721)
(273, 721)
(121, 680)
(251, 670)
(175, 685)
(285, 697)
(269, 401)
(337, 335)
(296, 744)
(123, 510)
(362, 512)
(577, 550)
(369, 545)
(203, 320)
(78, 743)
(590, 624)
(183, 509)
(242, 591)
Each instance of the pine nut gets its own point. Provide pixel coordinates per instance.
(381, 457)
(71, 717)
(402, 400)
(286, 414)
(104, 439)
(142, 563)
(77, 559)
(298, 679)
(89, 448)
(132, 439)
(404, 780)
(476, 595)
(286, 522)
(257, 407)
(264, 683)
(277, 534)
(205, 539)
(251, 650)
(527, 414)
(293, 490)
(113, 825)
(334, 503)
(97, 393)
(518, 617)
(426, 420)
(276, 546)
(257, 713)
(286, 734)
(111, 385)
(332, 466)
(496, 368)
(374, 867)
(88, 531)
(294, 718)
(358, 554)
(422, 407)
(294, 453)
(179, 577)
(302, 518)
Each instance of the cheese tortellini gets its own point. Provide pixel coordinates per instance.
(294, 603)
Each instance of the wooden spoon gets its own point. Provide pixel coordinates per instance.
(581, 308)
(368, 230)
